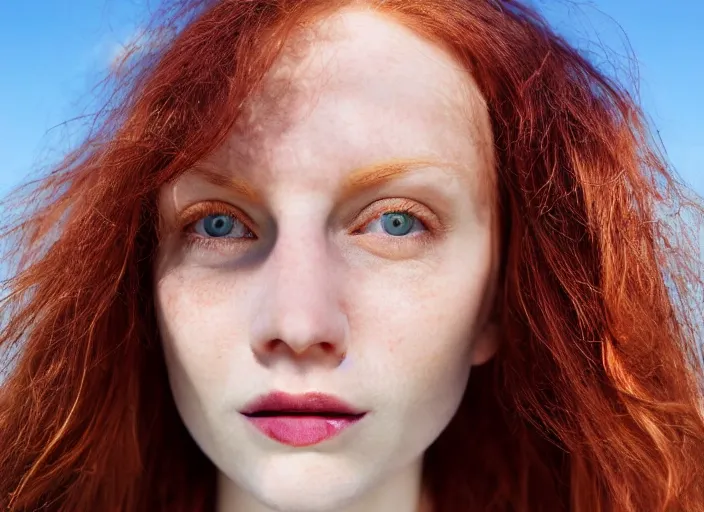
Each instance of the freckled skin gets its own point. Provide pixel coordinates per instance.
(392, 328)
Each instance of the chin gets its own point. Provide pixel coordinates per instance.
(306, 494)
(300, 501)
(306, 486)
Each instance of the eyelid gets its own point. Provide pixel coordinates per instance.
(378, 208)
(195, 212)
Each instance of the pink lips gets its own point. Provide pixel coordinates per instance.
(301, 420)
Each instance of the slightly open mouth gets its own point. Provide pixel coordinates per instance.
(318, 414)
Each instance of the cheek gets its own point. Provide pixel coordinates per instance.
(414, 339)
(192, 313)
(418, 333)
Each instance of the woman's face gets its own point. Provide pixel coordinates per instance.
(340, 242)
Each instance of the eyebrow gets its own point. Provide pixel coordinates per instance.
(359, 180)
(234, 184)
(375, 175)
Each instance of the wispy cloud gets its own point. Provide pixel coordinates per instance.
(117, 49)
(120, 51)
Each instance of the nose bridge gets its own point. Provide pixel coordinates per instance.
(299, 305)
(302, 273)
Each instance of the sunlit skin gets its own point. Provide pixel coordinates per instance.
(304, 288)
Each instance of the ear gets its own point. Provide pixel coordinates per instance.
(485, 344)
(487, 338)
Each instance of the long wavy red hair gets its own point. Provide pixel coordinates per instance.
(594, 401)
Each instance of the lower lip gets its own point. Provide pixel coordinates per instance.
(302, 430)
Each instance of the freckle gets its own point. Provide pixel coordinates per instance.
(392, 344)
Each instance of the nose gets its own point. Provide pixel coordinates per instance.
(298, 312)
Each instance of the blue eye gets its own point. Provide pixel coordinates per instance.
(395, 224)
(398, 224)
(220, 226)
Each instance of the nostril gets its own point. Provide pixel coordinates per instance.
(327, 347)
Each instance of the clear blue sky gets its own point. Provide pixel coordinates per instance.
(52, 52)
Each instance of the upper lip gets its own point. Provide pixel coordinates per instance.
(314, 403)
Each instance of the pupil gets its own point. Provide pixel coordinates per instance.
(218, 225)
(398, 224)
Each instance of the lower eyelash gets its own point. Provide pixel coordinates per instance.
(192, 240)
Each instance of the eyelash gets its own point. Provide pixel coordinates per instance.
(189, 216)
(406, 206)
(192, 214)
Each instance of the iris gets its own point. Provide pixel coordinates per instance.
(218, 225)
(397, 224)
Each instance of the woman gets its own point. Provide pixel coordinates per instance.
(331, 255)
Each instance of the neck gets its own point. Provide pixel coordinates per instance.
(401, 492)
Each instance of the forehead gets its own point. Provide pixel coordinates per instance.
(355, 88)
